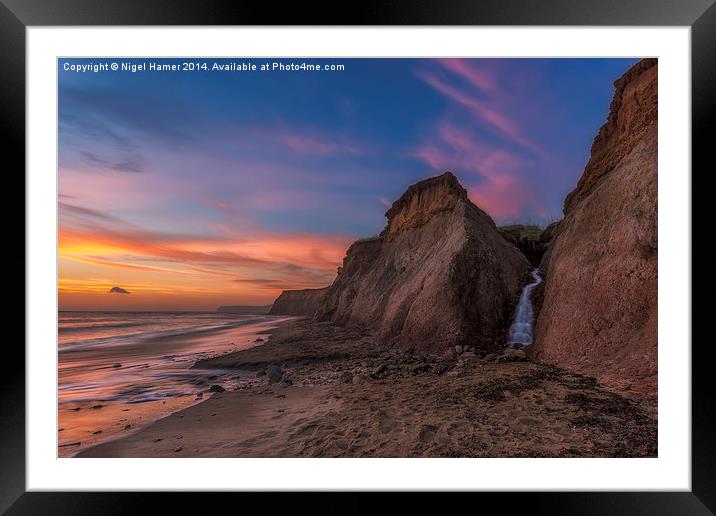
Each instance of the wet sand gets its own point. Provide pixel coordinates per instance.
(115, 390)
(350, 398)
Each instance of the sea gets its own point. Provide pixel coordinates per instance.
(118, 371)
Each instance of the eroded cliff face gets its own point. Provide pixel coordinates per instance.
(297, 302)
(438, 275)
(599, 312)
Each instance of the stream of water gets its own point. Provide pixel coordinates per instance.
(520, 333)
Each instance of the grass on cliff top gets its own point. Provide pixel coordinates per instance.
(530, 231)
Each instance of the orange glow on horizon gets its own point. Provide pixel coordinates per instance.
(168, 272)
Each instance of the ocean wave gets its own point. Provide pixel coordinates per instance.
(146, 335)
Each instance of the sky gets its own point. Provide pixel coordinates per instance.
(187, 190)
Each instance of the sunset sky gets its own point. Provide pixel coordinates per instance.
(190, 190)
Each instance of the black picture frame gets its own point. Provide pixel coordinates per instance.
(17, 15)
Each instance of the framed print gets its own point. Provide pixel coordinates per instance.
(423, 249)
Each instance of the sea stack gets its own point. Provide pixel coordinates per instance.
(439, 274)
(599, 313)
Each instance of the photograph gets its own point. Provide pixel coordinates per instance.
(357, 257)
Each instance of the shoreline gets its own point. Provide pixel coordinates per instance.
(345, 396)
(104, 417)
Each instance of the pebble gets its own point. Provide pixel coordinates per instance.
(274, 373)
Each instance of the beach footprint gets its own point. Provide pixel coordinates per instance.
(385, 422)
(427, 433)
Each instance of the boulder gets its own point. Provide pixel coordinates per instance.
(216, 388)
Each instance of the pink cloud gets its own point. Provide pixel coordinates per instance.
(499, 122)
(502, 191)
(385, 202)
(308, 144)
(478, 78)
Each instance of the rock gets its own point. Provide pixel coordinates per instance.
(392, 367)
(360, 379)
(419, 368)
(297, 302)
(421, 283)
(274, 373)
(117, 365)
(449, 356)
(458, 349)
(216, 388)
(286, 382)
(259, 340)
(470, 357)
(380, 369)
(512, 355)
(345, 377)
(439, 369)
(491, 357)
(261, 373)
(528, 239)
(452, 373)
(599, 310)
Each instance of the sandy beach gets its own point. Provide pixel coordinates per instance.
(340, 395)
(116, 384)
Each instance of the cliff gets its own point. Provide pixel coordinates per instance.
(438, 275)
(297, 302)
(599, 311)
(529, 239)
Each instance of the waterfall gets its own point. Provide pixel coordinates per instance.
(520, 333)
